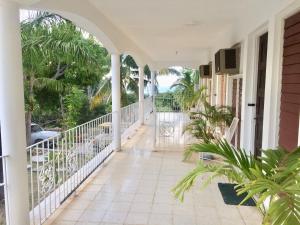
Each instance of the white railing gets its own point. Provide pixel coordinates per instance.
(4, 212)
(129, 116)
(170, 124)
(58, 165)
(148, 107)
(167, 104)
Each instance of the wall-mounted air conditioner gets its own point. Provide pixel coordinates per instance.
(205, 71)
(227, 61)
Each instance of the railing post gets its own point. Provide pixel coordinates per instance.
(141, 95)
(12, 114)
(153, 76)
(116, 101)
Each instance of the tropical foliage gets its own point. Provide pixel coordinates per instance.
(185, 91)
(129, 83)
(272, 179)
(57, 59)
(206, 118)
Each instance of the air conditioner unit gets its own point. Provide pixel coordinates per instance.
(227, 61)
(205, 71)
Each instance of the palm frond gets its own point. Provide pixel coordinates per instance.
(49, 84)
(170, 70)
(275, 178)
(103, 93)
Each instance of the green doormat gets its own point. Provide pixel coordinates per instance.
(230, 196)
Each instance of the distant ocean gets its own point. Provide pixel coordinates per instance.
(164, 89)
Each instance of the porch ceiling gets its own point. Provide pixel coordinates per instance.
(171, 32)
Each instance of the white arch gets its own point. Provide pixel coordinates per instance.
(136, 58)
(86, 16)
(83, 20)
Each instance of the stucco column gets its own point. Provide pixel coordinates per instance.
(153, 74)
(152, 92)
(116, 101)
(141, 95)
(12, 114)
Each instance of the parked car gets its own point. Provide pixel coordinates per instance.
(104, 137)
(38, 134)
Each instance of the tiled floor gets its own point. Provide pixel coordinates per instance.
(134, 189)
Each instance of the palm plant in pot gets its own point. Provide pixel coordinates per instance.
(273, 179)
(206, 119)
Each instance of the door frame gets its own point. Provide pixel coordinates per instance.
(255, 92)
(274, 75)
(250, 88)
(240, 104)
(274, 25)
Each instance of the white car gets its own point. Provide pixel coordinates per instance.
(38, 134)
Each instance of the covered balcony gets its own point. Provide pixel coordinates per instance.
(134, 188)
(126, 167)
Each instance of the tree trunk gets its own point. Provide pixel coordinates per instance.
(62, 110)
(28, 115)
(28, 127)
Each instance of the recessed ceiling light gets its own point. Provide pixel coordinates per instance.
(193, 23)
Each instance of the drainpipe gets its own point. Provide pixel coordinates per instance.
(116, 101)
(12, 115)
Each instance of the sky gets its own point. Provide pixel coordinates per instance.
(24, 14)
(165, 81)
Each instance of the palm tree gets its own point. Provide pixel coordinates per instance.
(185, 92)
(54, 50)
(169, 70)
(129, 83)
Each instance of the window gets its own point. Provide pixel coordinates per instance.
(36, 128)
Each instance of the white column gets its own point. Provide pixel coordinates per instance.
(12, 114)
(141, 95)
(116, 101)
(153, 73)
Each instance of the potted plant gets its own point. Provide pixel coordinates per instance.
(273, 179)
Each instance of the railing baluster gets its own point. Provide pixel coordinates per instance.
(69, 158)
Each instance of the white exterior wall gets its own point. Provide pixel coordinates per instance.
(228, 98)
(249, 60)
(213, 84)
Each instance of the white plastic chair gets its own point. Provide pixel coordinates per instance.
(229, 133)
